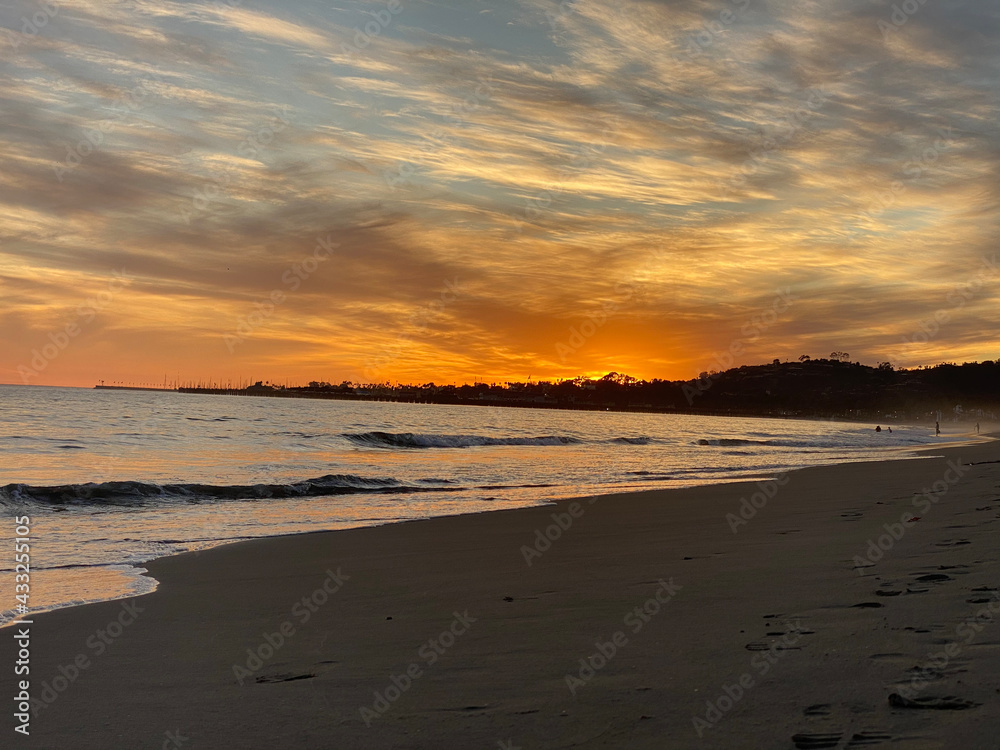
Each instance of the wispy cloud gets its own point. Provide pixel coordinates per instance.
(594, 158)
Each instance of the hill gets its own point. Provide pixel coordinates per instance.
(831, 387)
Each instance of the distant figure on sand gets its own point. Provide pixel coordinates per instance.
(890, 430)
(937, 428)
(977, 428)
(878, 428)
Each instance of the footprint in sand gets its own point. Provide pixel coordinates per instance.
(934, 578)
(892, 656)
(762, 646)
(816, 741)
(898, 592)
(836, 740)
(818, 709)
(926, 674)
(931, 702)
(264, 678)
(868, 738)
(777, 645)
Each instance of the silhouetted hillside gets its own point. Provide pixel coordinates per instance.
(833, 387)
(807, 388)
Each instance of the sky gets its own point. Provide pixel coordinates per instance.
(467, 191)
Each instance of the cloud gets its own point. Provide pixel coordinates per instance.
(704, 153)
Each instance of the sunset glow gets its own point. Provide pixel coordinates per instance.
(412, 191)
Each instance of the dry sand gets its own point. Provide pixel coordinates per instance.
(778, 605)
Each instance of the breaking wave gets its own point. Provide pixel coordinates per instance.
(415, 440)
(140, 493)
(728, 442)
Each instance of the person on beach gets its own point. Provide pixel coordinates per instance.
(977, 428)
(890, 430)
(878, 428)
(937, 428)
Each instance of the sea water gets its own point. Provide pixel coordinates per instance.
(112, 479)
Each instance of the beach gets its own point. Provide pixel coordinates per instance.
(772, 614)
(128, 477)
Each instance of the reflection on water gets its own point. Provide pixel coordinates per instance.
(191, 466)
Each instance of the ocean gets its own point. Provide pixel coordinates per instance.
(113, 479)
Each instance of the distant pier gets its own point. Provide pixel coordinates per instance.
(132, 388)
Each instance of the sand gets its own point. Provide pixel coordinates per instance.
(439, 634)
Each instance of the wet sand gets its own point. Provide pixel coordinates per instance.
(738, 616)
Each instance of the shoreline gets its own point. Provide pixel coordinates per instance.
(783, 589)
(142, 582)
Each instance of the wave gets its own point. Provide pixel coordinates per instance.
(513, 486)
(728, 442)
(633, 440)
(784, 443)
(134, 494)
(864, 441)
(416, 440)
(650, 476)
(734, 471)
